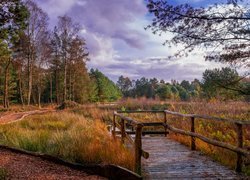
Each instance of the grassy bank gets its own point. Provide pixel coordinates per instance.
(68, 136)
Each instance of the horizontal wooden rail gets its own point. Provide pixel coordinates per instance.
(153, 124)
(143, 132)
(245, 122)
(239, 130)
(210, 141)
(141, 111)
(130, 121)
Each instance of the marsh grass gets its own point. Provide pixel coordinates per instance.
(68, 136)
(220, 131)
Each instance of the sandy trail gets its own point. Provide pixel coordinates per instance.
(14, 117)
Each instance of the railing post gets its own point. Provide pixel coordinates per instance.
(123, 130)
(240, 145)
(114, 126)
(165, 121)
(138, 148)
(193, 147)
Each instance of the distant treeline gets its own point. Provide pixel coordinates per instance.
(223, 84)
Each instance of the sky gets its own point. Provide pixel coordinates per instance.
(118, 43)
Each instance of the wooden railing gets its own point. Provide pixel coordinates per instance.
(139, 131)
(239, 125)
(137, 143)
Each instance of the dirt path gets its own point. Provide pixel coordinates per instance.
(13, 117)
(20, 166)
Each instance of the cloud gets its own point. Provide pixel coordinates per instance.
(158, 67)
(106, 18)
(119, 45)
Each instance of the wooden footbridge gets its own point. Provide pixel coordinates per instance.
(164, 158)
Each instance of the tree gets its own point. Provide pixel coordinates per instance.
(196, 88)
(36, 36)
(164, 92)
(13, 16)
(78, 78)
(224, 82)
(105, 88)
(67, 30)
(186, 85)
(183, 93)
(124, 84)
(222, 26)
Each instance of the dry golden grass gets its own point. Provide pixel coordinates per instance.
(68, 136)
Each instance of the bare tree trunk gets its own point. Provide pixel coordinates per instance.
(20, 85)
(70, 85)
(51, 90)
(73, 91)
(65, 81)
(29, 75)
(39, 97)
(57, 86)
(39, 89)
(6, 85)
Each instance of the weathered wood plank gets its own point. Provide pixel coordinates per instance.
(143, 132)
(137, 149)
(141, 111)
(153, 124)
(239, 162)
(193, 147)
(172, 160)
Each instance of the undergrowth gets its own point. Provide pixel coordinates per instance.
(68, 136)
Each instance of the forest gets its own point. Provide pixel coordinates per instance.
(39, 65)
(43, 66)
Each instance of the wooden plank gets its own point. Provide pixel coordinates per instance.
(211, 141)
(239, 162)
(193, 131)
(172, 160)
(153, 124)
(143, 132)
(141, 111)
(114, 126)
(138, 149)
(123, 135)
(165, 122)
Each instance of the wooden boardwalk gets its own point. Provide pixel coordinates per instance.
(169, 159)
